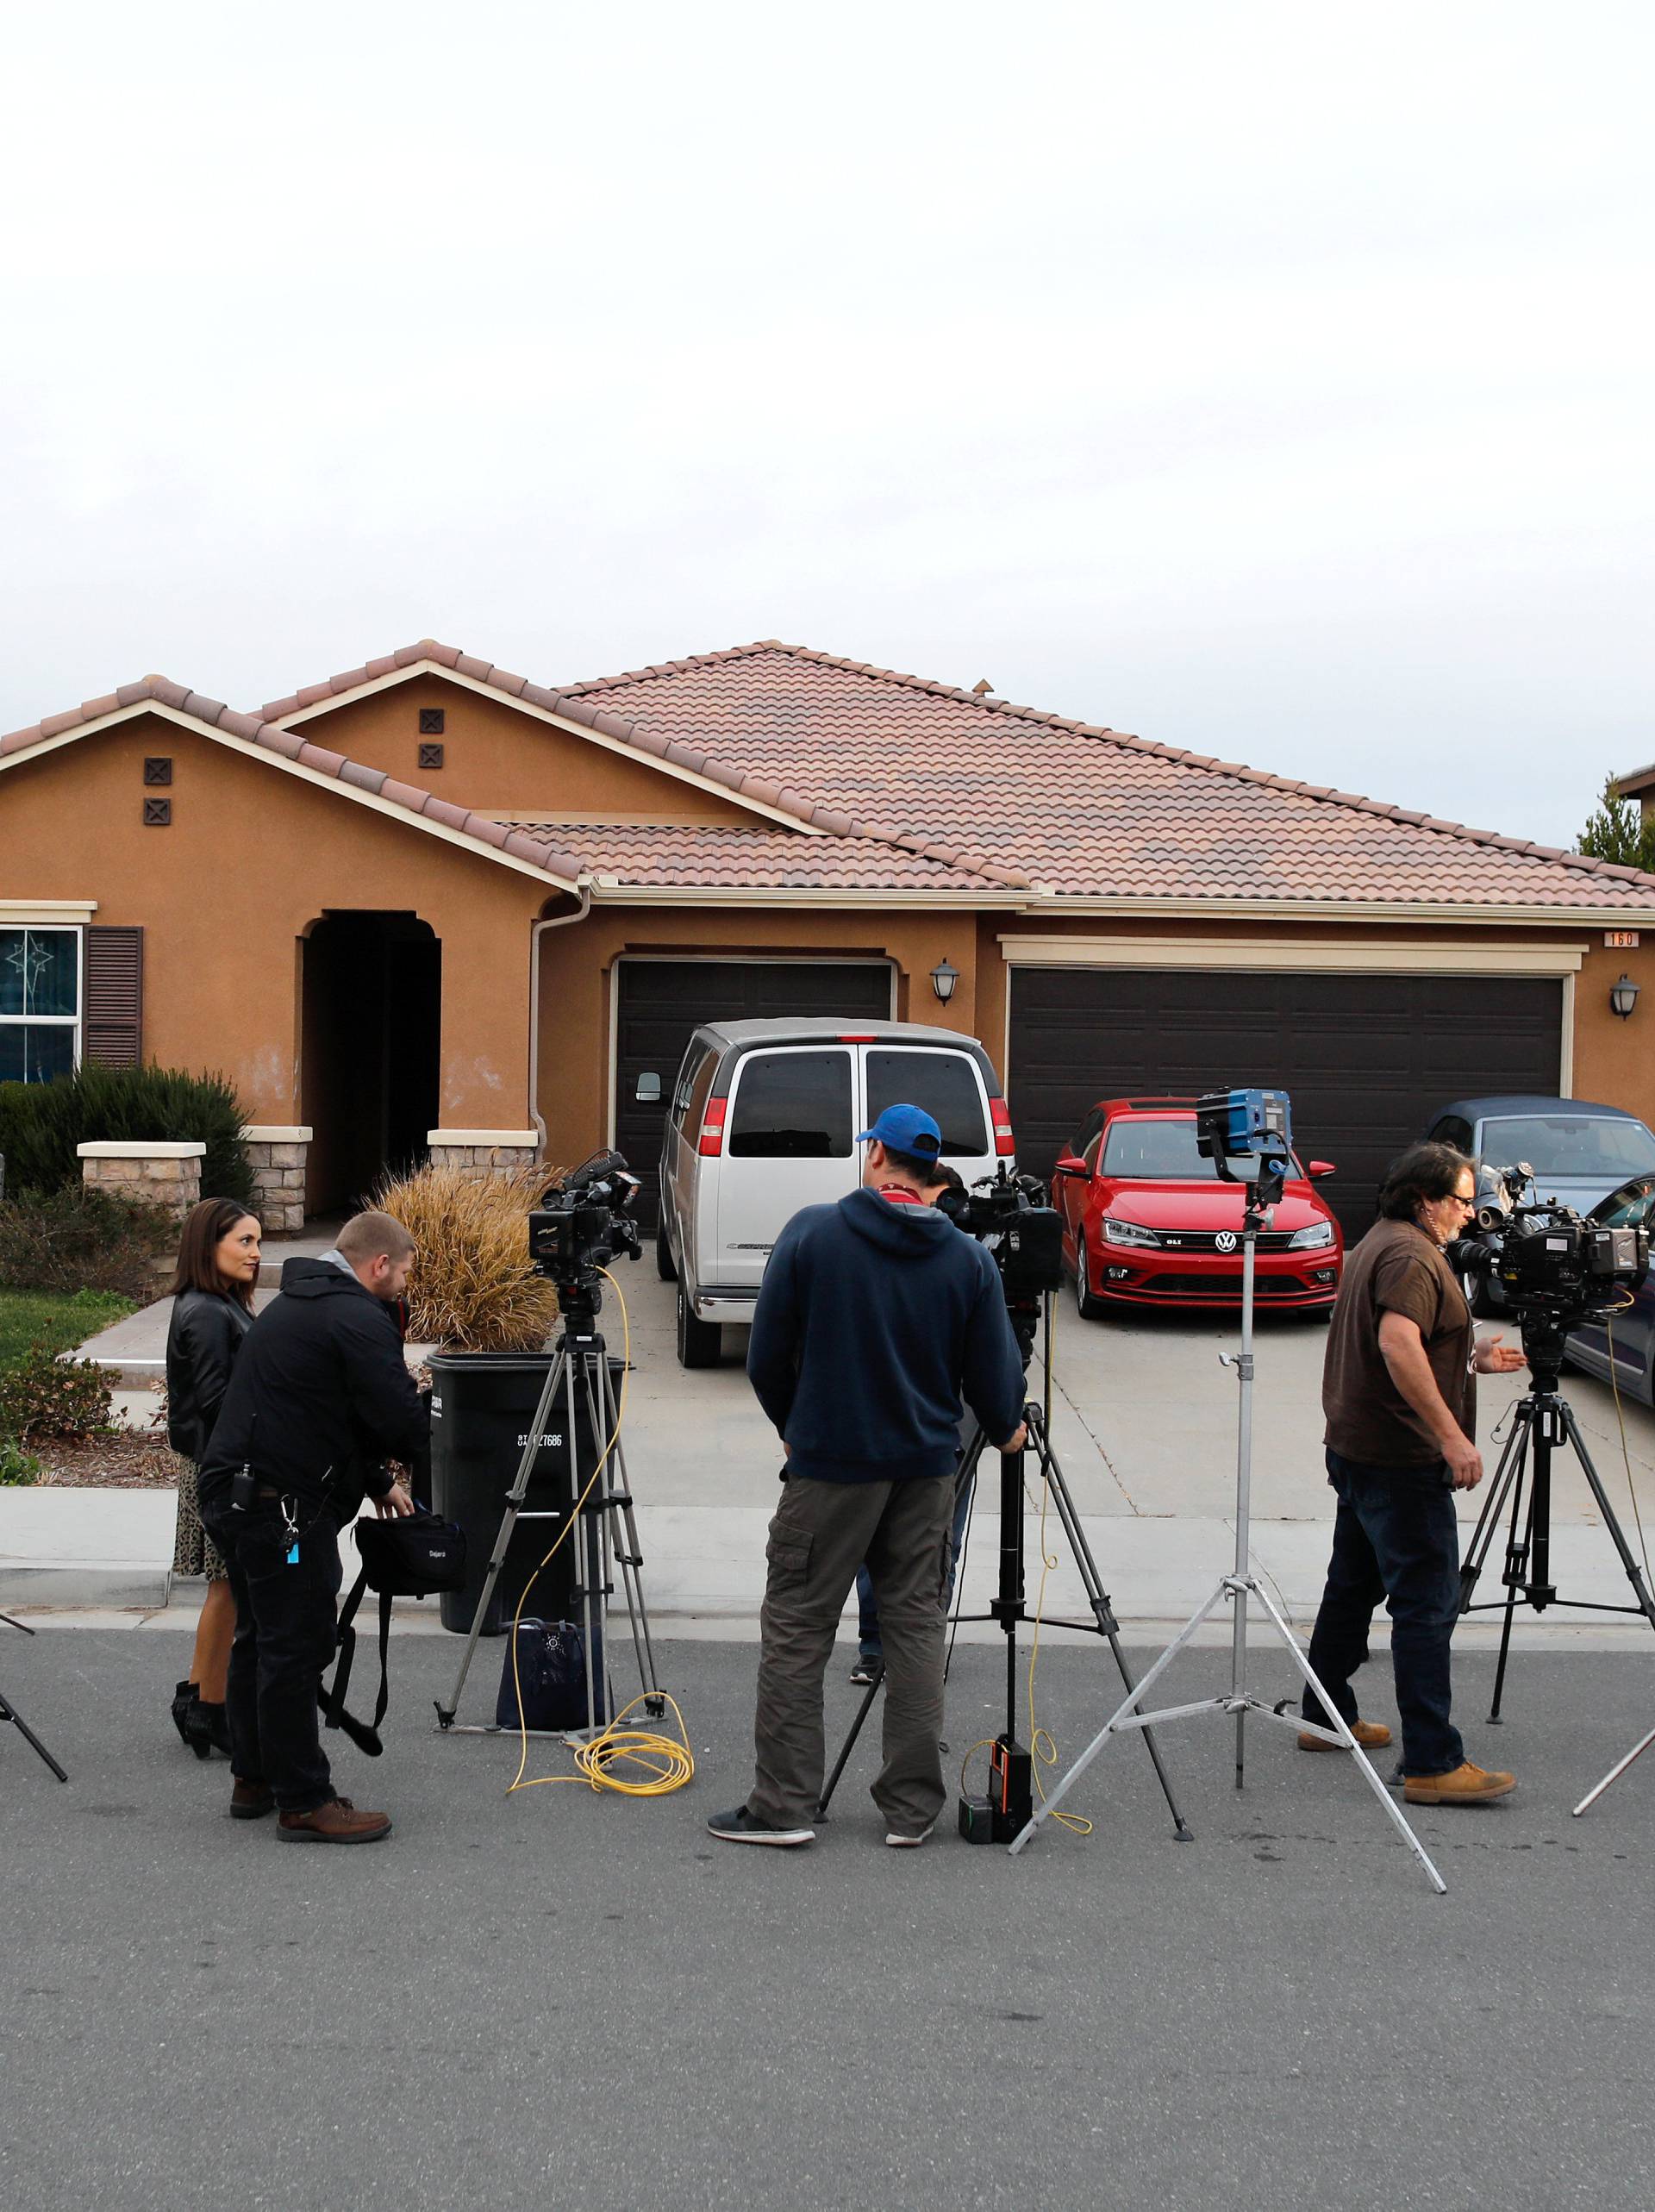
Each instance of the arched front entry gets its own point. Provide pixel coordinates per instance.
(369, 1077)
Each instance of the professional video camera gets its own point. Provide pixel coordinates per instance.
(581, 1224)
(1554, 1266)
(1022, 1235)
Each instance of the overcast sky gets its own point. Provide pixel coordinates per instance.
(1271, 379)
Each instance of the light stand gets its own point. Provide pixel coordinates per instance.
(1262, 1165)
(8, 1711)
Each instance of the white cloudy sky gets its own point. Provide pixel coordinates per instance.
(1273, 379)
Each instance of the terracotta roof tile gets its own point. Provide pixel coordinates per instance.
(706, 856)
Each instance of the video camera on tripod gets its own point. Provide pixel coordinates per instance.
(1555, 1266)
(1022, 1235)
(581, 1224)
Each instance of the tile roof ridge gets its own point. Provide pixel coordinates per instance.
(291, 746)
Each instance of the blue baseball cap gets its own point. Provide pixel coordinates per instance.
(906, 1128)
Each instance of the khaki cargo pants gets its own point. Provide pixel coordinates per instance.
(820, 1534)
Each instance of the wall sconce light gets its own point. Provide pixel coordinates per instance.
(1623, 995)
(945, 976)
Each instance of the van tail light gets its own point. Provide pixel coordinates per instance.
(712, 1128)
(1000, 1113)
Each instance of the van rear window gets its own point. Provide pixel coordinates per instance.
(792, 1106)
(944, 1084)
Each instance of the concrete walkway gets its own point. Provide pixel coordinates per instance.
(1144, 1422)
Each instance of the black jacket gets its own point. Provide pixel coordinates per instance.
(202, 1339)
(319, 1395)
(873, 1321)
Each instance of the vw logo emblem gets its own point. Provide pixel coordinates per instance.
(1225, 1241)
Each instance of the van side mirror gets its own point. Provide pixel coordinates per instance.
(648, 1090)
(1318, 1168)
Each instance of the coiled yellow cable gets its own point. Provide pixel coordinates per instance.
(668, 1760)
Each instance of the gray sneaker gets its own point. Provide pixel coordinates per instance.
(909, 1842)
(743, 1827)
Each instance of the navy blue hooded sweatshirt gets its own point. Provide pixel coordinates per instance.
(872, 1319)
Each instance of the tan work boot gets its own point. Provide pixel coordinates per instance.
(335, 1822)
(1373, 1735)
(1467, 1786)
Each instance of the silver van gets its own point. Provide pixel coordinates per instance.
(762, 1120)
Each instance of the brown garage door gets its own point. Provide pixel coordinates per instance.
(661, 1002)
(1367, 1060)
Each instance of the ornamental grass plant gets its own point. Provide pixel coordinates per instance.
(472, 1288)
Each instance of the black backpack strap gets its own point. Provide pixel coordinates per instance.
(383, 1698)
(333, 1703)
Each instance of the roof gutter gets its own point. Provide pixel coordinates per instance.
(537, 930)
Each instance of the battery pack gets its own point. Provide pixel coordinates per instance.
(1011, 1788)
(976, 1820)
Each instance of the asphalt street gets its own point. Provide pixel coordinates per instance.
(561, 1997)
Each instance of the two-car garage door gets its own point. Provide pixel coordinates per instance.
(1367, 1059)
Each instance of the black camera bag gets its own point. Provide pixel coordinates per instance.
(413, 1555)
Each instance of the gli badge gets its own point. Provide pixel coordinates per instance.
(1225, 1241)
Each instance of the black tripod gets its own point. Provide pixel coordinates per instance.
(1543, 1423)
(1013, 1802)
(9, 1712)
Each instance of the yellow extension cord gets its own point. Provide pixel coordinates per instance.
(666, 1761)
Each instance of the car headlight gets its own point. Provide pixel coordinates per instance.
(1311, 1239)
(1126, 1232)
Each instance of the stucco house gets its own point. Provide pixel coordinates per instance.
(428, 903)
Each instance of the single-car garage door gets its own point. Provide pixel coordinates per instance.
(660, 1003)
(1366, 1059)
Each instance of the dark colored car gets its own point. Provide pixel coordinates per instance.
(1622, 1349)
(1148, 1221)
(1579, 1152)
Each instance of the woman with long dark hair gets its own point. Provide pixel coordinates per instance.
(212, 1310)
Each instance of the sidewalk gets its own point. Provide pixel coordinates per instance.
(1143, 1424)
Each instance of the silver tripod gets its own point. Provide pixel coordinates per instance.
(606, 1533)
(1236, 1589)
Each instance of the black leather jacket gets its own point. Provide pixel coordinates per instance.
(321, 1395)
(202, 1339)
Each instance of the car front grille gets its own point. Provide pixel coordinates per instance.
(1219, 1286)
(1207, 1240)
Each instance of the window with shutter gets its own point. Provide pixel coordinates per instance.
(39, 1003)
(113, 1033)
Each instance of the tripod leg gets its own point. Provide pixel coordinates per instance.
(1516, 1567)
(9, 1712)
(849, 1744)
(1616, 1773)
(1617, 1535)
(615, 1499)
(1103, 1609)
(1364, 1764)
(1509, 1470)
(515, 1497)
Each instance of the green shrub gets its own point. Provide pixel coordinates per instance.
(18, 1468)
(41, 1123)
(44, 1395)
(82, 1240)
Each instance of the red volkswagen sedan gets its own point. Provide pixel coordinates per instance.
(1146, 1220)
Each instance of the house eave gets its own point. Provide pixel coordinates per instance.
(1433, 913)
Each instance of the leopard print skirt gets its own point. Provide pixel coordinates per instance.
(192, 1548)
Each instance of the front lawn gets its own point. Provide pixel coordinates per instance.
(58, 1319)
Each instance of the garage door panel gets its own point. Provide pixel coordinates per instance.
(1366, 1059)
(660, 1004)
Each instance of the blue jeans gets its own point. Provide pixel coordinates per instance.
(869, 1644)
(1395, 1536)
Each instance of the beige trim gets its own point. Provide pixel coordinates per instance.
(369, 799)
(45, 913)
(1443, 957)
(556, 722)
(138, 1148)
(482, 1136)
(1464, 914)
(276, 1133)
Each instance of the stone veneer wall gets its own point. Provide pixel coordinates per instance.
(277, 1155)
(160, 1174)
(483, 1152)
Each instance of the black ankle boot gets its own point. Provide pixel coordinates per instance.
(183, 1698)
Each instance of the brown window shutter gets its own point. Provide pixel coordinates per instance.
(112, 1025)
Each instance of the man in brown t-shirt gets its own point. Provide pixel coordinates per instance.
(1399, 1395)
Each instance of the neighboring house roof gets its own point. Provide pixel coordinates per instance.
(1086, 811)
(286, 748)
(1638, 785)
